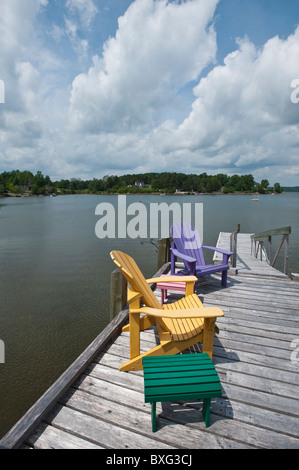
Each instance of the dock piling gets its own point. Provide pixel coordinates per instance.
(163, 252)
(118, 293)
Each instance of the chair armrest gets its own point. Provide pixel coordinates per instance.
(183, 256)
(220, 250)
(201, 312)
(132, 295)
(172, 279)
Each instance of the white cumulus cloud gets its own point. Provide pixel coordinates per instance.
(158, 48)
(242, 115)
(86, 9)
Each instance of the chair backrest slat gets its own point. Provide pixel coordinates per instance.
(128, 267)
(187, 240)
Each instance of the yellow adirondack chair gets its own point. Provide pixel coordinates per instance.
(180, 324)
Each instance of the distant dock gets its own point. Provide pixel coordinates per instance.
(246, 263)
(93, 405)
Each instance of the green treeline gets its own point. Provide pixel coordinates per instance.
(292, 189)
(21, 182)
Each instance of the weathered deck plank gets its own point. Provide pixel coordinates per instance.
(253, 353)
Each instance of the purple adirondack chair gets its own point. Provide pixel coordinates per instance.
(187, 246)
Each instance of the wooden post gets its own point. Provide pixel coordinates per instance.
(118, 293)
(163, 252)
(278, 250)
(233, 246)
(270, 249)
(286, 255)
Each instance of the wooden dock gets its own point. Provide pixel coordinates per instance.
(254, 354)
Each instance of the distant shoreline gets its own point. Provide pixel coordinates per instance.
(18, 183)
(103, 193)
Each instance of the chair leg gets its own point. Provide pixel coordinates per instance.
(206, 411)
(208, 336)
(167, 347)
(163, 296)
(154, 420)
(145, 323)
(224, 279)
(136, 362)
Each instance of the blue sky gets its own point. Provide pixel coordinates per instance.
(98, 87)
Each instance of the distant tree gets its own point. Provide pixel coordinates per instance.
(63, 184)
(155, 184)
(277, 188)
(112, 181)
(260, 189)
(47, 180)
(74, 184)
(265, 184)
(35, 189)
(39, 180)
(26, 178)
(215, 183)
(228, 189)
(223, 179)
(248, 182)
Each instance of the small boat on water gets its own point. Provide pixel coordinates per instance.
(255, 198)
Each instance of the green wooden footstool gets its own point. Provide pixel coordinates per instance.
(181, 377)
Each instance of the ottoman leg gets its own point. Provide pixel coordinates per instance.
(154, 417)
(206, 411)
(162, 296)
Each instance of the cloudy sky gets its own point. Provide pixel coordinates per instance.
(98, 87)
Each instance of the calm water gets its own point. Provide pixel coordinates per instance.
(55, 278)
